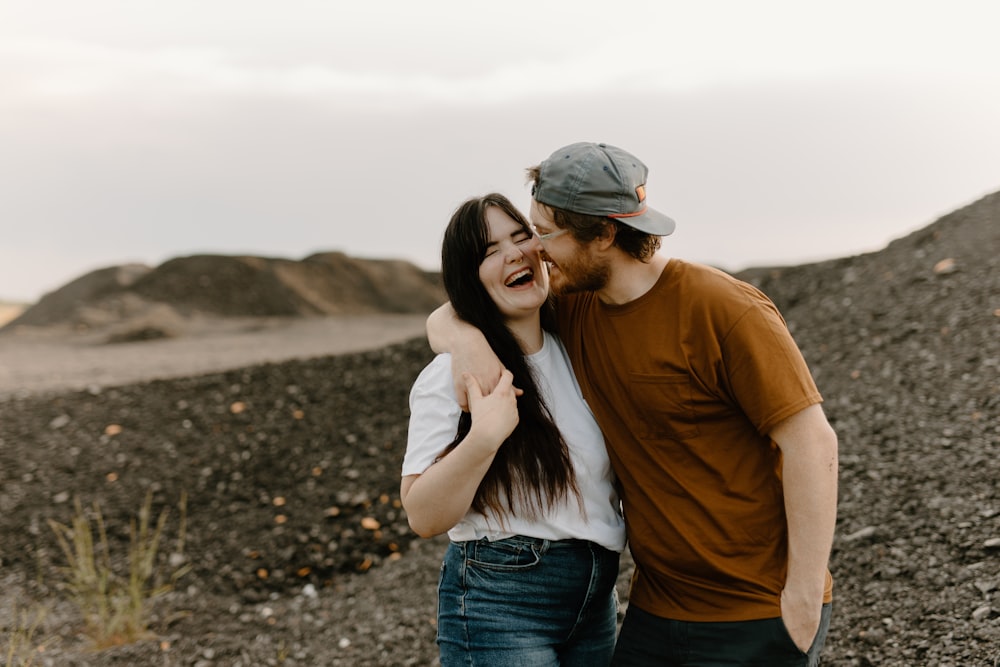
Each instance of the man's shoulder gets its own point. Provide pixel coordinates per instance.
(707, 284)
(702, 274)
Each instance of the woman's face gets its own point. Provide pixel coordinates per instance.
(512, 272)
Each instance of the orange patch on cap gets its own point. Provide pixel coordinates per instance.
(640, 192)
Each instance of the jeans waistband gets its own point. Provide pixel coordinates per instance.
(542, 544)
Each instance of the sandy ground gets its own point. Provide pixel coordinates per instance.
(40, 360)
(9, 311)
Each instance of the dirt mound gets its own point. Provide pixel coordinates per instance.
(370, 285)
(72, 301)
(235, 286)
(301, 550)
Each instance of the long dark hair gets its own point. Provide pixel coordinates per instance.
(532, 469)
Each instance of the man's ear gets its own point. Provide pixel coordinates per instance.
(606, 238)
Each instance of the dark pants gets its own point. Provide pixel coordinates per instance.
(646, 640)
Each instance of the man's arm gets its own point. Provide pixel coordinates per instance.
(809, 477)
(470, 353)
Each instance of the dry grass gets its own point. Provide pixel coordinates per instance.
(115, 595)
(19, 638)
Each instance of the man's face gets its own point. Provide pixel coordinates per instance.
(573, 266)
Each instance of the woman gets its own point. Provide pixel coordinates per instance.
(522, 482)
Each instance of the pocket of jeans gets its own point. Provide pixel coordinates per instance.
(503, 555)
(787, 638)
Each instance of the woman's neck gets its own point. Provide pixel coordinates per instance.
(529, 332)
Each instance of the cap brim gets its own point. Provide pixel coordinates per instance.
(651, 222)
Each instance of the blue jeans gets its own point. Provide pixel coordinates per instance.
(527, 602)
(646, 640)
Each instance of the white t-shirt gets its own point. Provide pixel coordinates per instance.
(434, 414)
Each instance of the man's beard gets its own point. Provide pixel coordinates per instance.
(580, 276)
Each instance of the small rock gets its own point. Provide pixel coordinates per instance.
(945, 266)
(866, 532)
(872, 635)
(59, 422)
(982, 613)
(985, 586)
(992, 543)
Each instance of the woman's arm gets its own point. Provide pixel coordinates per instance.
(438, 499)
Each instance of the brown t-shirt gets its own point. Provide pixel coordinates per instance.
(686, 381)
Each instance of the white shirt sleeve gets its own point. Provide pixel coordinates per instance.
(434, 414)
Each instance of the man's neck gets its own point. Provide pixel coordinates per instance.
(631, 278)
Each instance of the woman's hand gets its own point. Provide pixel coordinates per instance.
(438, 499)
(494, 415)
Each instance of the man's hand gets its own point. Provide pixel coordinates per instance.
(469, 351)
(479, 362)
(801, 616)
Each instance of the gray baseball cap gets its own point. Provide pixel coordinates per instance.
(599, 179)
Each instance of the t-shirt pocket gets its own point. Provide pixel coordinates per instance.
(664, 406)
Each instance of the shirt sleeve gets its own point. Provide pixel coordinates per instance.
(767, 374)
(434, 414)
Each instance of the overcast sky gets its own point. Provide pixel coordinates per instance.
(775, 132)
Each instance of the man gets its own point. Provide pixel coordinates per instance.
(726, 462)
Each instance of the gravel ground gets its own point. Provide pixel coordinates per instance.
(301, 555)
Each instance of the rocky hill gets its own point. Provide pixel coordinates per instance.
(302, 555)
(236, 286)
